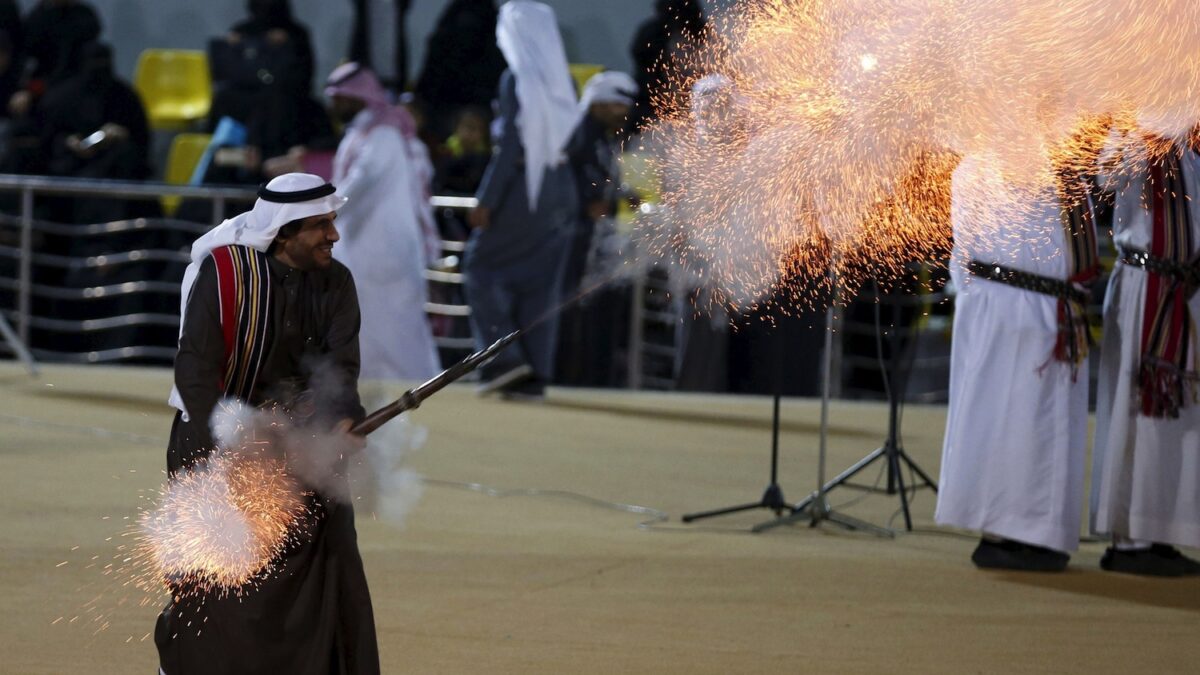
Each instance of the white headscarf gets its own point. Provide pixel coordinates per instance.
(255, 228)
(527, 34)
(714, 96)
(610, 86)
(709, 90)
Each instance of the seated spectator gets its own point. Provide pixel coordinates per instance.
(283, 125)
(658, 46)
(94, 127)
(466, 153)
(267, 55)
(262, 78)
(271, 22)
(48, 46)
(55, 32)
(10, 68)
(11, 59)
(462, 62)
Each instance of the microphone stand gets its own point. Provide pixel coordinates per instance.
(772, 497)
(816, 508)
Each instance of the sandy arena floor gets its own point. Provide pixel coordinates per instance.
(555, 584)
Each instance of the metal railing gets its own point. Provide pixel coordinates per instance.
(649, 364)
(23, 253)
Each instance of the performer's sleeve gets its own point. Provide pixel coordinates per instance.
(382, 146)
(508, 155)
(201, 353)
(342, 341)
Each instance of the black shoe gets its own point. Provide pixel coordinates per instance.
(1007, 554)
(530, 389)
(1160, 560)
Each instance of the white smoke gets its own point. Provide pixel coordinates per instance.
(384, 481)
(376, 477)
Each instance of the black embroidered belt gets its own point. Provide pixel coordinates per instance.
(1028, 281)
(1187, 274)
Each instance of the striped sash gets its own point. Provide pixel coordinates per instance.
(1083, 268)
(1165, 382)
(244, 290)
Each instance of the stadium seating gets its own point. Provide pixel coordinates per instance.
(582, 72)
(175, 86)
(185, 153)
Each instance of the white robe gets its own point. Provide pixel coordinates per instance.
(386, 246)
(1145, 471)
(1016, 433)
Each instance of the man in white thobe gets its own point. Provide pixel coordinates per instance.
(1146, 462)
(389, 237)
(1016, 434)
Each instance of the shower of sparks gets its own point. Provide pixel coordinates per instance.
(226, 526)
(826, 132)
(221, 525)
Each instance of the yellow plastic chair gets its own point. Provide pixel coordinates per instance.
(582, 72)
(186, 151)
(175, 86)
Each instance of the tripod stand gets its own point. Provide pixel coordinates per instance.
(772, 497)
(815, 507)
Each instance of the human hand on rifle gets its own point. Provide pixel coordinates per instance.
(353, 442)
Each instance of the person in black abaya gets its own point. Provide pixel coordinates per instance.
(50, 43)
(462, 62)
(55, 34)
(94, 126)
(262, 76)
(675, 27)
(271, 22)
(264, 57)
(11, 54)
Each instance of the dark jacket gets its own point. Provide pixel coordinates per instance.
(516, 229)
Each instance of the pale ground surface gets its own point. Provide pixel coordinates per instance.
(548, 584)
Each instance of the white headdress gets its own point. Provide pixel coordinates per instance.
(527, 34)
(289, 197)
(610, 86)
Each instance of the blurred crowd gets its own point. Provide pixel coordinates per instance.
(65, 112)
(493, 112)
